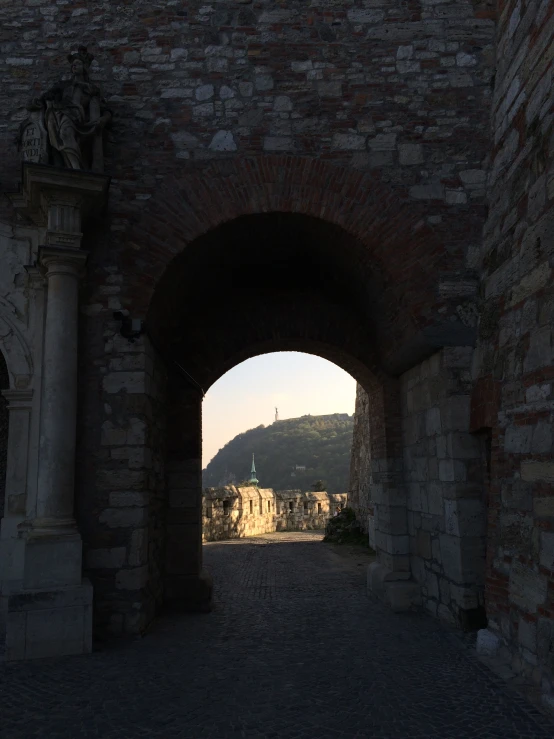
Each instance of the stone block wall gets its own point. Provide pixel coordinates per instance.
(230, 109)
(360, 461)
(4, 384)
(202, 81)
(232, 512)
(300, 511)
(124, 538)
(443, 468)
(513, 400)
(372, 118)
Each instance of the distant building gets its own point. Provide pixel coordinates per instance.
(233, 511)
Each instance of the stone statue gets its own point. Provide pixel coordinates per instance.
(65, 124)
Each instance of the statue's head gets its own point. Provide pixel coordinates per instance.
(80, 62)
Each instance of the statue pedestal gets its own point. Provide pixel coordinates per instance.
(59, 199)
(45, 604)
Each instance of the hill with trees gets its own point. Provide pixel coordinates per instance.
(296, 453)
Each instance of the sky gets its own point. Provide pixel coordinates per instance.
(247, 395)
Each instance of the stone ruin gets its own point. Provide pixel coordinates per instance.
(232, 512)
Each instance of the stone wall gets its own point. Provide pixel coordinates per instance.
(124, 525)
(234, 107)
(208, 80)
(445, 488)
(513, 400)
(4, 384)
(440, 483)
(232, 512)
(360, 461)
(358, 134)
(352, 122)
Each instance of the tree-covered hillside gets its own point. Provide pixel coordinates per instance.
(321, 444)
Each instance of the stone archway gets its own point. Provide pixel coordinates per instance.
(258, 283)
(233, 259)
(275, 281)
(412, 253)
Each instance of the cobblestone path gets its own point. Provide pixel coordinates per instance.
(293, 650)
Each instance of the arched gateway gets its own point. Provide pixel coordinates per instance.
(226, 262)
(247, 179)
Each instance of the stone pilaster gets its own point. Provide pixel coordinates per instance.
(187, 585)
(389, 576)
(57, 619)
(12, 546)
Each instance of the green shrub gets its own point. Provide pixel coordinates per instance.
(345, 529)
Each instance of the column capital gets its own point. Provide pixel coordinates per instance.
(61, 260)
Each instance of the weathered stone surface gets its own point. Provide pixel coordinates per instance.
(532, 471)
(547, 550)
(488, 643)
(131, 382)
(527, 588)
(123, 517)
(132, 579)
(464, 517)
(106, 558)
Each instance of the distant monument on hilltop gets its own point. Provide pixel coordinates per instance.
(253, 479)
(276, 414)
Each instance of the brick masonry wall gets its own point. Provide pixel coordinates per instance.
(514, 367)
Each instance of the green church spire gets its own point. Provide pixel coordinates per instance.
(253, 479)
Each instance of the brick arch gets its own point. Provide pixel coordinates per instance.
(392, 229)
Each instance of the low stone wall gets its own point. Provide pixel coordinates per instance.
(231, 512)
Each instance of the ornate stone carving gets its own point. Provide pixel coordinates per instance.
(33, 137)
(66, 123)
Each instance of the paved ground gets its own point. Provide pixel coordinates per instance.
(294, 650)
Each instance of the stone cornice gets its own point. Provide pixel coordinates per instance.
(18, 399)
(44, 185)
